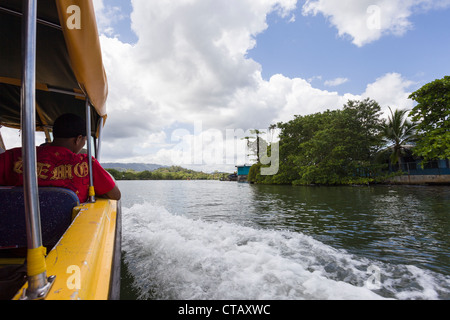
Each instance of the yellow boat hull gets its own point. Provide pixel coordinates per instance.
(86, 261)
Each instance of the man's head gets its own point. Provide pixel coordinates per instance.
(69, 130)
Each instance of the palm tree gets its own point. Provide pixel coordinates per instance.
(255, 145)
(398, 134)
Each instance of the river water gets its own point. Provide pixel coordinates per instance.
(205, 240)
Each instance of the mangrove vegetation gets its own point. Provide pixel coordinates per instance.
(165, 173)
(356, 144)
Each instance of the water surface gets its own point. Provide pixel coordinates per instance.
(225, 240)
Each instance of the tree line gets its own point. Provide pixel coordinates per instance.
(172, 173)
(355, 144)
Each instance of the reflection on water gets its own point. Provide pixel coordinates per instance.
(392, 224)
(318, 237)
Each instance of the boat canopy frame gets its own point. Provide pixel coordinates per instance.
(69, 64)
(48, 67)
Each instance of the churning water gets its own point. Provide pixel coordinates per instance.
(205, 240)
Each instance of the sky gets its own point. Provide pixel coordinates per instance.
(189, 79)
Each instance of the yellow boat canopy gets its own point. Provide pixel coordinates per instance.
(69, 62)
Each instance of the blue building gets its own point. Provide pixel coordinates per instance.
(416, 172)
(243, 170)
(242, 173)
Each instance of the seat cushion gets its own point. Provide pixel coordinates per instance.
(56, 207)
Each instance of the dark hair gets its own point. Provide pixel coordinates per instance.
(69, 126)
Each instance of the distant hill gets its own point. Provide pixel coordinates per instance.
(141, 171)
(138, 167)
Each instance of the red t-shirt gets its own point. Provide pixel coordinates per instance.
(57, 167)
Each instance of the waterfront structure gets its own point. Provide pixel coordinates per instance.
(242, 173)
(417, 172)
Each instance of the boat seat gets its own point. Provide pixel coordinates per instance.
(56, 209)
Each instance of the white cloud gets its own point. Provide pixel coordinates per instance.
(314, 78)
(366, 21)
(190, 65)
(336, 82)
(13, 138)
(106, 17)
(391, 90)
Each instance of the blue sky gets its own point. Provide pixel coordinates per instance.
(310, 48)
(122, 25)
(245, 64)
(189, 78)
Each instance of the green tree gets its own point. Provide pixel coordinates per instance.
(366, 125)
(432, 115)
(115, 173)
(255, 144)
(293, 135)
(129, 175)
(398, 132)
(254, 175)
(332, 147)
(144, 175)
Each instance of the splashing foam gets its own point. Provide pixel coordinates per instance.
(175, 257)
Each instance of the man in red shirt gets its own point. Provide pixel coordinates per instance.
(60, 163)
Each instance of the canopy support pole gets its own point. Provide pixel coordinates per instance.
(91, 197)
(99, 139)
(2, 143)
(38, 284)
